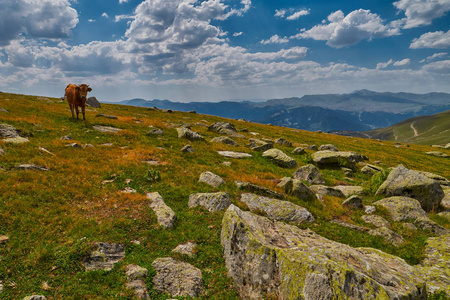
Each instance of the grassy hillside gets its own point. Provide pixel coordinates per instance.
(424, 130)
(53, 217)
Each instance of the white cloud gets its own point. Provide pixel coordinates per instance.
(275, 39)
(91, 20)
(437, 40)
(105, 15)
(422, 12)
(280, 13)
(384, 65)
(348, 30)
(119, 18)
(434, 56)
(238, 33)
(50, 19)
(440, 67)
(298, 14)
(123, 1)
(293, 15)
(402, 63)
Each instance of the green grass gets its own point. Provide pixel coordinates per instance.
(52, 218)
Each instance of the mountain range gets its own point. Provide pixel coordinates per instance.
(360, 110)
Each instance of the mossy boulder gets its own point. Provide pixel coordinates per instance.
(402, 208)
(272, 259)
(280, 158)
(329, 158)
(310, 174)
(211, 201)
(404, 182)
(298, 189)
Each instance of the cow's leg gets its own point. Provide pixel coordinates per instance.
(72, 111)
(76, 108)
(82, 110)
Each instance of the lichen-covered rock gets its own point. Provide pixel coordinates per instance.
(211, 179)
(339, 158)
(404, 182)
(299, 150)
(427, 224)
(224, 140)
(185, 249)
(281, 141)
(106, 129)
(232, 154)
(187, 149)
(16, 140)
(104, 256)
(376, 220)
(280, 158)
(165, 215)
(284, 181)
(440, 179)
(388, 235)
(260, 190)
(354, 202)
(258, 145)
(211, 201)
(225, 128)
(371, 169)
(298, 189)
(35, 297)
(155, 131)
(438, 154)
(30, 167)
(402, 208)
(349, 190)
(177, 278)
(445, 203)
(327, 191)
(310, 174)
(186, 133)
(267, 258)
(8, 131)
(278, 210)
(136, 280)
(445, 214)
(328, 147)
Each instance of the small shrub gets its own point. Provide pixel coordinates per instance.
(153, 175)
(438, 296)
(371, 186)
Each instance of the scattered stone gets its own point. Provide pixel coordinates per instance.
(312, 147)
(445, 214)
(35, 297)
(328, 147)
(260, 190)
(435, 266)
(104, 256)
(136, 276)
(187, 148)
(73, 145)
(93, 102)
(30, 167)
(192, 112)
(8, 131)
(186, 249)
(349, 190)
(299, 150)
(369, 209)
(447, 146)
(177, 278)
(438, 154)
(106, 144)
(298, 189)
(340, 158)
(347, 171)
(16, 140)
(278, 210)
(226, 163)
(402, 208)
(211, 201)
(2, 151)
(427, 224)
(281, 141)
(437, 146)
(440, 179)
(232, 154)
(258, 145)
(354, 202)
(225, 128)
(106, 129)
(371, 169)
(266, 257)
(211, 179)
(388, 235)
(88, 146)
(155, 131)
(128, 190)
(3, 239)
(106, 116)
(349, 225)
(280, 158)
(404, 182)
(376, 220)
(409, 226)
(3, 110)
(327, 191)
(310, 174)
(224, 140)
(152, 162)
(165, 215)
(188, 134)
(284, 181)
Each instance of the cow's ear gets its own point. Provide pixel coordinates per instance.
(89, 89)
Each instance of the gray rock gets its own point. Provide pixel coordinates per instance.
(258, 145)
(187, 148)
(354, 202)
(347, 171)
(266, 257)
(300, 190)
(177, 278)
(281, 141)
(73, 145)
(106, 129)
(66, 138)
(445, 214)
(409, 226)
(188, 134)
(35, 297)
(284, 181)
(192, 112)
(225, 128)
(16, 140)
(106, 116)
(30, 167)
(278, 210)
(388, 235)
(369, 209)
(371, 169)
(328, 147)
(402, 208)
(260, 190)
(376, 220)
(232, 154)
(211, 179)
(3, 239)
(8, 131)
(447, 146)
(404, 182)
(165, 215)
(3, 110)
(136, 280)
(2, 151)
(312, 147)
(349, 190)
(224, 140)
(340, 158)
(426, 224)
(155, 131)
(438, 154)
(185, 249)
(299, 150)
(327, 191)
(211, 201)
(440, 179)
(104, 256)
(93, 102)
(350, 225)
(310, 174)
(445, 203)
(280, 158)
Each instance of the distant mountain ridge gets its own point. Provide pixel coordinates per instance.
(360, 110)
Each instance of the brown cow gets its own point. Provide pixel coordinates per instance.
(76, 97)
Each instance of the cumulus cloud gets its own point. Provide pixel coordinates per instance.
(123, 1)
(384, 65)
(275, 39)
(422, 12)
(291, 14)
(402, 63)
(52, 19)
(437, 40)
(341, 30)
(434, 56)
(238, 33)
(440, 67)
(105, 15)
(298, 14)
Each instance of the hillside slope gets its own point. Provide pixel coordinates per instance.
(71, 186)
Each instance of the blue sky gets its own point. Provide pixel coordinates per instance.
(211, 50)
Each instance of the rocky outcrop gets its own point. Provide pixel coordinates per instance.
(278, 210)
(225, 128)
(211, 201)
(188, 149)
(348, 190)
(177, 278)
(327, 191)
(340, 158)
(260, 190)
(258, 145)
(136, 281)
(402, 208)
(281, 141)
(299, 150)
(186, 133)
(298, 189)
(165, 215)
(310, 174)
(404, 182)
(280, 158)
(328, 147)
(155, 131)
(185, 249)
(93, 102)
(354, 202)
(8, 131)
(224, 140)
(267, 258)
(106, 129)
(104, 256)
(232, 154)
(211, 179)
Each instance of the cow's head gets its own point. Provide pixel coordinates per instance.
(84, 89)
